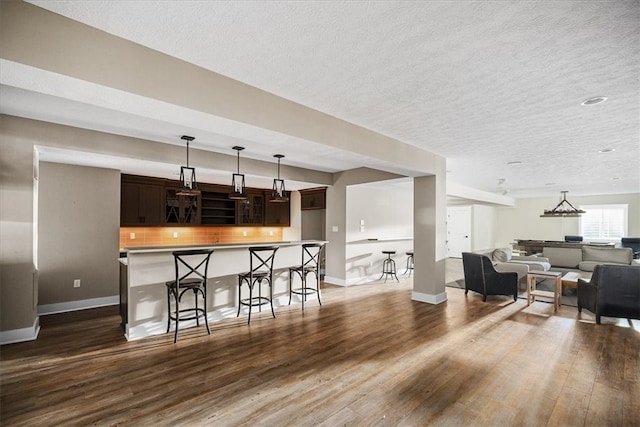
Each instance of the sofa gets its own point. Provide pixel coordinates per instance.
(505, 262)
(586, 258)
(613, 291)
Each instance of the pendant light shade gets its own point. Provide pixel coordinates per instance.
(188, 184)
(278, 195)
(562, 209)
(237, 181)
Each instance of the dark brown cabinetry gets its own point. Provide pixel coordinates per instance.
(277, 214)
(313, 198)
(141, 202)
(217, 208)
(251, 211)
(180, 209)
(147, 201)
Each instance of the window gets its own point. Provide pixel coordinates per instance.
(604, 222)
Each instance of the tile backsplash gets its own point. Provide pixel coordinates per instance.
(131, 237)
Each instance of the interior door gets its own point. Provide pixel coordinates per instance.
(458, 231)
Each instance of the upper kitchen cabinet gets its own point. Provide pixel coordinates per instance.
(252, 210)
(313, 198)
(180, 209)
(141, 201)
(277, 213)
(147, 201)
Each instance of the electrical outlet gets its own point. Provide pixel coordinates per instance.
(244, 233)
(175, 234)
(132, 236)
(76, 283)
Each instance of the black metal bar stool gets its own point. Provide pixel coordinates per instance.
(310, 264)
(260, 270)
(191, 274)
(389, 267)
(409, 263)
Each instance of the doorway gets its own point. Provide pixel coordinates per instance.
(458, 231)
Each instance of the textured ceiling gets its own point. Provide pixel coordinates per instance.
(481, 83)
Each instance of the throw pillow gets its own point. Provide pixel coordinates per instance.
(502, 254)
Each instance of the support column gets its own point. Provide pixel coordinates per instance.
(18, 222)
(429, 236)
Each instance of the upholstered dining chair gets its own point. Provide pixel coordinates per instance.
(481, 277)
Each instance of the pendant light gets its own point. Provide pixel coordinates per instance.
(188, 184)
(278, 195)
(561, 210)
(237, 181)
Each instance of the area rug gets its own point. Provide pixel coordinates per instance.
(569, 299)
(456, 284)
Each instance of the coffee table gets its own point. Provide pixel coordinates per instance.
(570, 280)
(532, 292)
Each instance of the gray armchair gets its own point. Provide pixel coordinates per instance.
(614, 291)
(481, 277)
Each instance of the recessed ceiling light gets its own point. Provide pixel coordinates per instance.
(595, 100)
(550, 183)
(517, 162)
(449, 171)
(615, 178)
(607, 150)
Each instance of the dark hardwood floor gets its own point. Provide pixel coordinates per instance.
(368, 356)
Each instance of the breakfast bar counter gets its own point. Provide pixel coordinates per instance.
(144, 271)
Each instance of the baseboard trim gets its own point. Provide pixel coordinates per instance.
(353, 280)
(335, 281)
(62, 307)
(21, 335)
(429, 298)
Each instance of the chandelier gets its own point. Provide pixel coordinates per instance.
(188, 184)
(278, 194)
(562, 209)
(237, 181)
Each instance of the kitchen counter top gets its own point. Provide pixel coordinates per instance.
(149, 249)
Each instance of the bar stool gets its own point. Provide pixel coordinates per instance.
(260, 270)
(194, 264)
(389, 267)
(409, 263)
(310, 264)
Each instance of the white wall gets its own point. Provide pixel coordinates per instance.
(387, 216)
(483, 227)
(523, 221)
